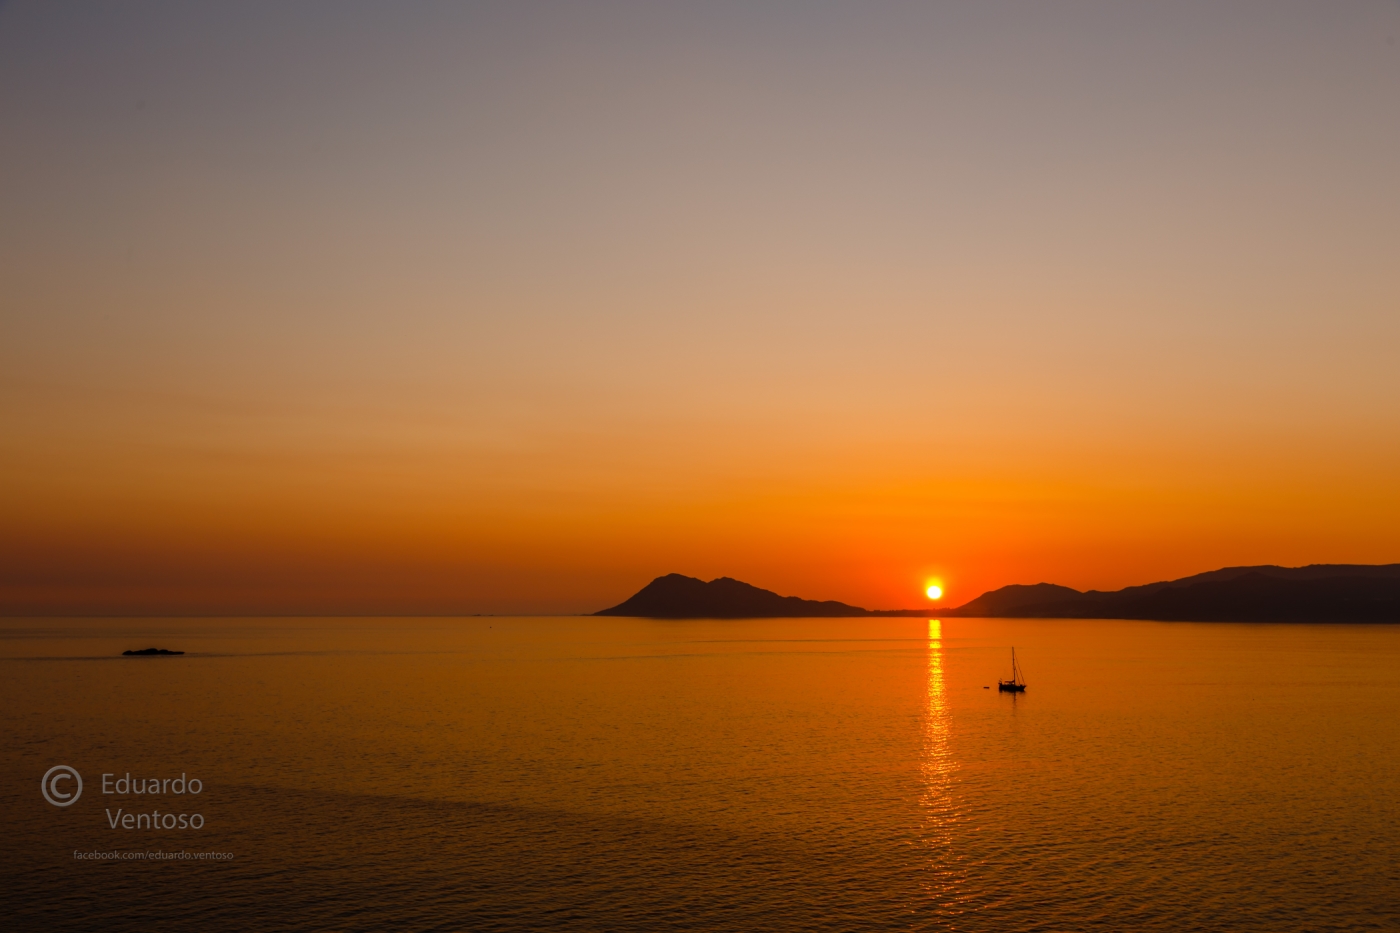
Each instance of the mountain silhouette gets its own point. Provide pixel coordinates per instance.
(1316, 593)
(676, 596)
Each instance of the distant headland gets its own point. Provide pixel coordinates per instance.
(675, 596)
(1316, 593)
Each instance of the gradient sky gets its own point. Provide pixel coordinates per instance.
(513, 307)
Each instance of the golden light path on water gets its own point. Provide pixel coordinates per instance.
(944, 884)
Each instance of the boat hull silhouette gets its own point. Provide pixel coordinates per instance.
(1017, 683)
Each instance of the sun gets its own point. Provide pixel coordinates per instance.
(935, 591)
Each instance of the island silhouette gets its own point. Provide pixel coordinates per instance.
(676, 596)
(1315, 593)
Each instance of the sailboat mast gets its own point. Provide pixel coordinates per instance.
(1015, 684)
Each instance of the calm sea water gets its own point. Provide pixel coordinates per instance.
(625, 774)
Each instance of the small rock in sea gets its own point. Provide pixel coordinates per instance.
(150, 652)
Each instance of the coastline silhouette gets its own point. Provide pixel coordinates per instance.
(676, 596)
(1315, 593)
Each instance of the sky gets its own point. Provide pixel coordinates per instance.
(357, 308)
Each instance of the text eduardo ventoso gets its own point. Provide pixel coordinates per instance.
(165, 788)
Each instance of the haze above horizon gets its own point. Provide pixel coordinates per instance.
(494, 309)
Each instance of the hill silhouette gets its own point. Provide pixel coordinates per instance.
(676, 596)
(1316, 593)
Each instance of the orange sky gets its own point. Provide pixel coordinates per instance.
(324, 310)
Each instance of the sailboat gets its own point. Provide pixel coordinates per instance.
(1017, 683)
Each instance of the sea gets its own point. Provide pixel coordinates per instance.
(615, 774)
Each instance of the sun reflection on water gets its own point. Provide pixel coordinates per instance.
(937, 799)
